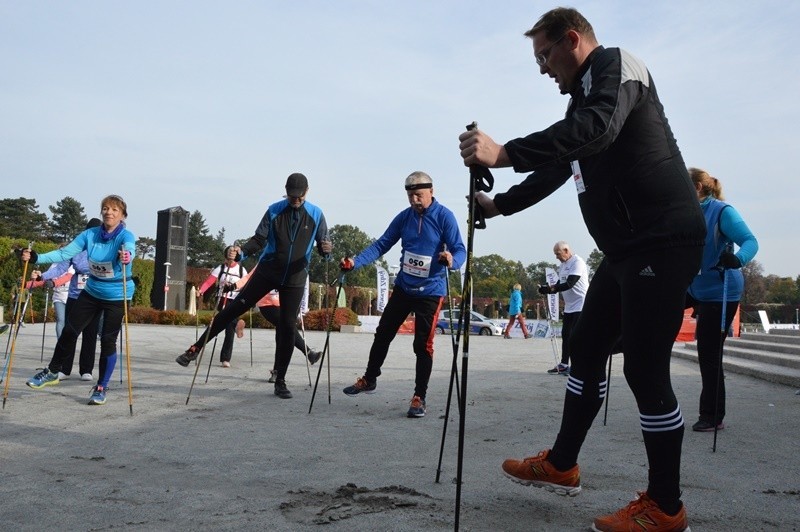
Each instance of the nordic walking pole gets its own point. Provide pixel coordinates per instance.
(10, 326)
(480, 179)
(44, 321)
(205, 341)
(327, 346)
(10, 361)
(453, 372)
(608, 388)
(723, 331)
(120, 360)
(125, 323)
(211, 359)
(308, 366)
(222, 282)
(250, 316)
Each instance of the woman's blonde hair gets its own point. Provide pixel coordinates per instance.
(709, 185)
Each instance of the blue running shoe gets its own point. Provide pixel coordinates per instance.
(361, 386)
(98, 396)
(42, 379)
(417, 407)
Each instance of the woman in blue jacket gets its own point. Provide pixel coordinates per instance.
(725, 227)
(109, 248)
(515, 312)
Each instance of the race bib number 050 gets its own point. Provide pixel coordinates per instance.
(416, 265)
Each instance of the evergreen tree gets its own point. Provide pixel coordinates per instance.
(594, 260)
(203, 250)
(146, 247)
(68, 219)
(347, 241)
(20, 218)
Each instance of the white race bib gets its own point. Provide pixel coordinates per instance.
(82, 278)
(578, 177)
(102, 270)
(416, 265)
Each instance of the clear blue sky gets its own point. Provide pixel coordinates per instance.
(210, 105)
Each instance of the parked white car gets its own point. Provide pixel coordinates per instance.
(479, 324)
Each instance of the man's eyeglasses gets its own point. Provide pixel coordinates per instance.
(295, 199)
(541, 57)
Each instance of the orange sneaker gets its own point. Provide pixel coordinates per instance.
(538, 472)
(642, 515)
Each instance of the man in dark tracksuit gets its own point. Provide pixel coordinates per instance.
(640, 207)
(287, 233)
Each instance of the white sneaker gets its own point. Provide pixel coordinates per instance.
(86, 377)
(62, 376)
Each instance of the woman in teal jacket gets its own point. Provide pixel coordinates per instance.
(515, 312)
(110, 247)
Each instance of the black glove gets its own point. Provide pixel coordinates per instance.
(34, 255)
(544, 289)
(228, 287)
(49, 283)
(728, 261)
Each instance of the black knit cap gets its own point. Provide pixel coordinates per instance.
(296, 185)
(94, 222)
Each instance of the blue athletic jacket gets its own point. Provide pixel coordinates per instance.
(105, 269)
(287, 236)
(725, 226)
(422, 237)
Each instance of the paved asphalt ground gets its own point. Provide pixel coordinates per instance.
(239, 458)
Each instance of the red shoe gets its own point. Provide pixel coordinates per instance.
(642, 515)
(538, 472)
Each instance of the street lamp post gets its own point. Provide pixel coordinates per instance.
(369, 304)
(166, 284)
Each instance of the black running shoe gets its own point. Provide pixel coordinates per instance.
(707, 426)
(281, 390)
(313, 356)
(188, 355)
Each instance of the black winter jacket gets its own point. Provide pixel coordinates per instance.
(636, 194)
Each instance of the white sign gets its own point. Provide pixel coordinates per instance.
(383, 288)
(552, 299)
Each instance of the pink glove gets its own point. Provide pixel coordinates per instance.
(125, 256)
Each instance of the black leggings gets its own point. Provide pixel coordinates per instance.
(257, 287)
(88, 344)
(640, 298)
(426, 313)
(709, 345)
(230, 333)
(567, 326)
(272, 314)
(86, 309)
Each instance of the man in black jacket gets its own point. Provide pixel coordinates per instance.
(639, 206)
(287, 234)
